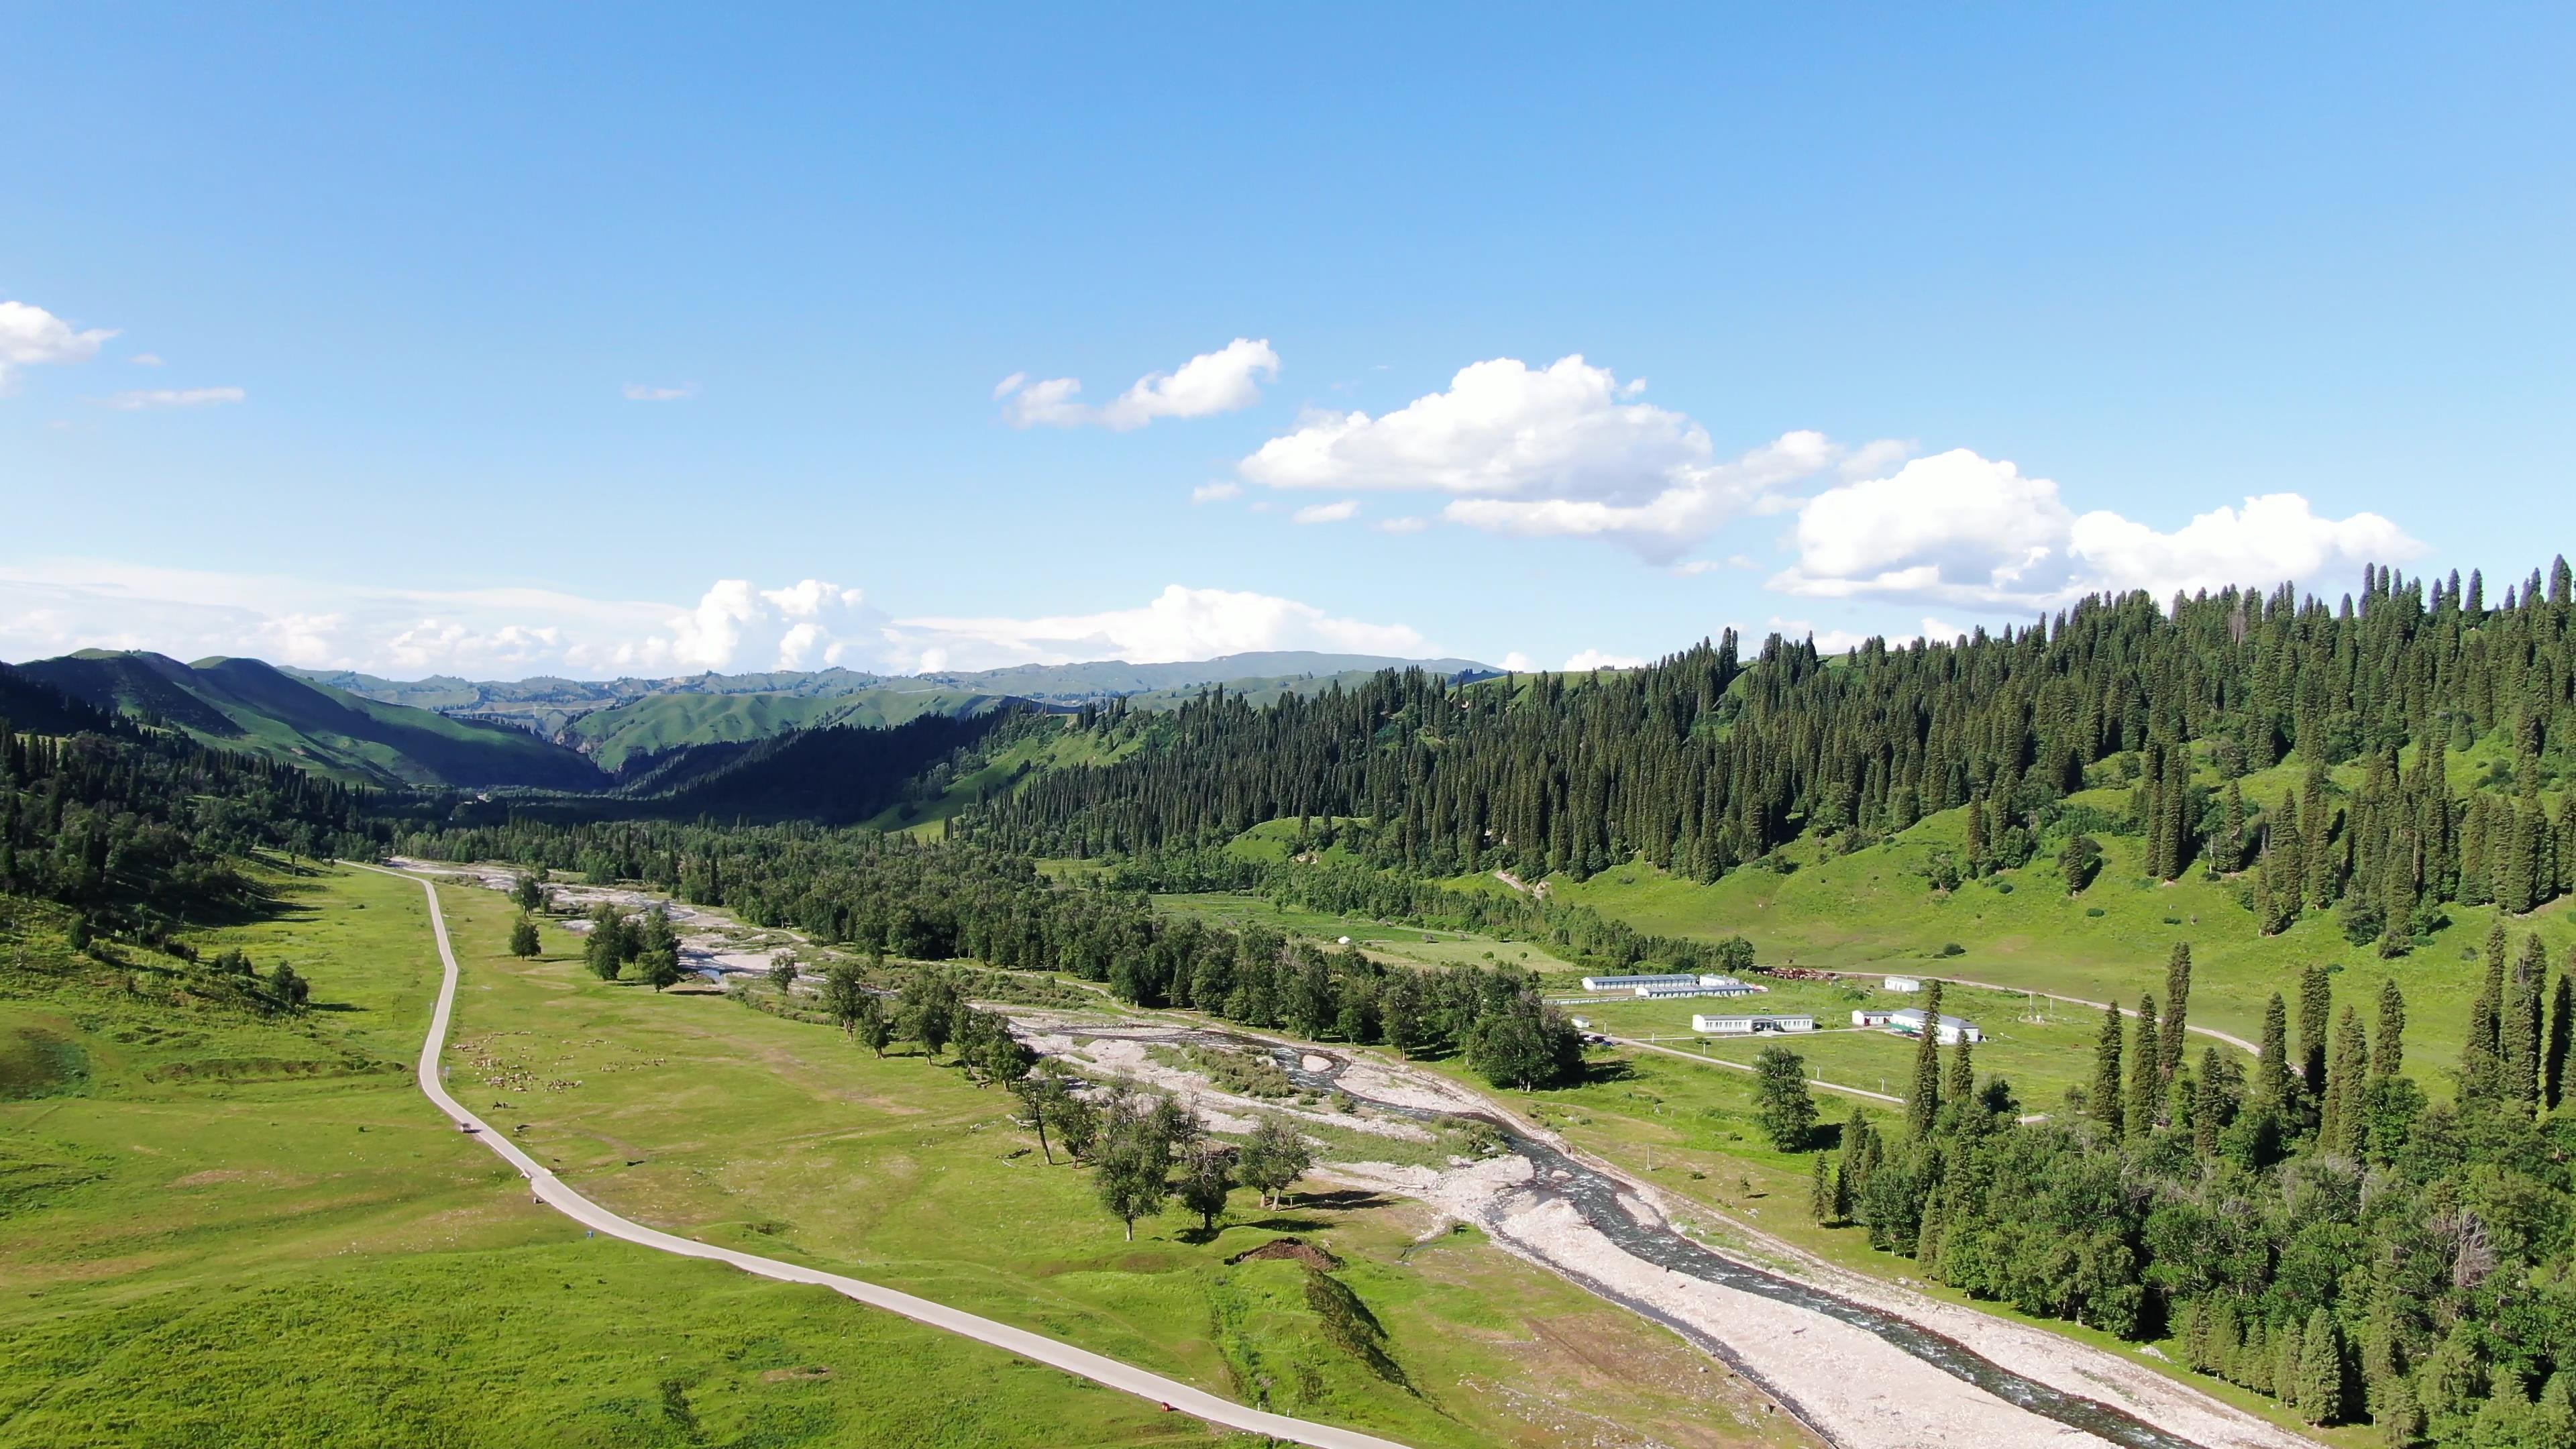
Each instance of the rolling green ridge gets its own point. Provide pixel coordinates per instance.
(657, 724)
(243, 704)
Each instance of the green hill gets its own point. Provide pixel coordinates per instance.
(657, 724)
(243, 704)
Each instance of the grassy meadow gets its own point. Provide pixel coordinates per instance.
(688, 1111)
(221, 1230)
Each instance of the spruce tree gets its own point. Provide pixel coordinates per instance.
(2562, 1038)
(2146, 1090)
(2388, 1048)
(2341, 1129)
(2321, 1371)
(2106, 1072)
(2316, 1019)
(1959, 1083)
(2272, 1072)
(2208, 1105)
(2518, 1031)
(1923, 1104)
(1820, 1192)
(2287, 1354)
(2169, 1038)
(2481, 1065)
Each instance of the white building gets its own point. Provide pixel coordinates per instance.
(1631, 983)
(1705, 986)
(1751, 1024)
(1873, 1015)
(1673, 983)
(1909, 1022)
(1901, 983)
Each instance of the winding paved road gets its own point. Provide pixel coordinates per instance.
(551, 1191)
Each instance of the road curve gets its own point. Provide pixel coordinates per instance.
(1038, 1348)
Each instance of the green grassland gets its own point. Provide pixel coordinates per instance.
(1875, 910)
(688, 1111)
(2042, 1048)
(1409, 945)
(216, 1229)
(1693, 1130)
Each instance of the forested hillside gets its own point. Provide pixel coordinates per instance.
(1707, 761)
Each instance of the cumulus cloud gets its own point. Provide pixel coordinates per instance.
(1226, 380)
(1962, 529)
(1563, 450)
(1401, 525)
(1215, 492)
(652, 392)
(56, 606)
(31, 336)
(1327, 512)
(1591, 659)
(175, 397)
(145, 359)
(1180, 623)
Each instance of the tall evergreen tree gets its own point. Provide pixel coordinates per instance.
(2519, 1034)
(2316, 1019)
(2106, 1072)
(1923, 1103)
(2562, 1038)
(2481, 1059)
(2177, 1020)
(2146, 1088)
(1959, 1082)
(2388, 1050)
(2321, 1388)
(2272, 1072)
(2340, 1128)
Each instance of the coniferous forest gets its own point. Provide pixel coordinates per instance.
(2366, 1227)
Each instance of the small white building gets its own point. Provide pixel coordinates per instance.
(1631, 983)
(1705, 986)
(1901, 983)
(1909, 1022)
(1751, 1023)
(1873, 1015)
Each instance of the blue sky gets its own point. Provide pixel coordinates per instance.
(1940, 319)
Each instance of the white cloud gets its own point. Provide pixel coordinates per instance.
(1180, 623)
(1518, 663)
(1699, 566)
(1591, 659)
(1961, 529)
(1327, 512)
(1226, 380)
(1215, 492)
(1048, 404)
(30, 336)
(1401, 525)
(56, 606)
(1554, 451)
(651, 392)
(175, 397)
(145, 359)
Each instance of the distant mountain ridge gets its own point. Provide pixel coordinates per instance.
(1041, 683)
(244, 704)
(620, 722)
(586, 736)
